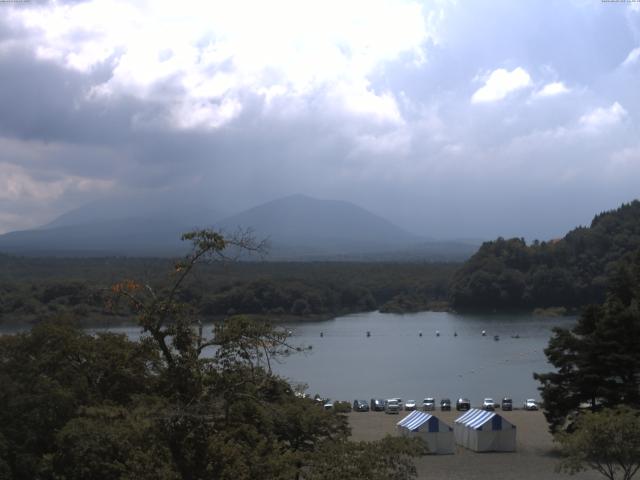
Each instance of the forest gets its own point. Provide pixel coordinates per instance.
(569, 272)
(33, 288)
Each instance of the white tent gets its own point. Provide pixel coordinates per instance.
(437, 434)
(483, 431)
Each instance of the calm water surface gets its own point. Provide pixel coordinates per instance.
(396, 362)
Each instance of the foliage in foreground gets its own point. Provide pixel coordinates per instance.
(76, 406)
(598, 361)
(607, 441)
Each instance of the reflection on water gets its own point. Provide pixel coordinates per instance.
(395, 361)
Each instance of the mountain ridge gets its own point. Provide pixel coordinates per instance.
(298, 227)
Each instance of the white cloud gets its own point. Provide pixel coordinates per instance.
(552, 89)
(396, 143)
(632, 58)
(501, 83)
(601, 117)
(205, 54)
(625, 158)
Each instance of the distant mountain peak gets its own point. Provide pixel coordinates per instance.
(303, 220)
(298, 227)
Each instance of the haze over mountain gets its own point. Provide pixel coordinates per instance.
(329, 225)
(297, 227)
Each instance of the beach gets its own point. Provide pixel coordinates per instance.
(535, 458)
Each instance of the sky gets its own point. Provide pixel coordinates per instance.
(453, 119)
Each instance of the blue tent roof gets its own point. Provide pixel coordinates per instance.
(476, 419)
(416, 419)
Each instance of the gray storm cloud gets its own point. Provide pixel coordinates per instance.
(450, 119)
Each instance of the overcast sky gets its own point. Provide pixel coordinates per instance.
(450, 118)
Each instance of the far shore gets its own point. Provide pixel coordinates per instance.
(96, 321)
(536, 457)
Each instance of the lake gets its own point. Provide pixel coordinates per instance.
(395, 361)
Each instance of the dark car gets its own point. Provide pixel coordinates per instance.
(463, 404)
(377, 405)
(360, 406)
(507, 404)
(445, 404)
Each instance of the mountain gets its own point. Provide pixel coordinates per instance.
(569, 272)
(301, 225)
(132, 225)
(297, 227)
(131, 236)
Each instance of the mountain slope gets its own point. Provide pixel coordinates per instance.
(569, 272)
(317, 226)
(132, 236)
(297, 228)
(140, 225)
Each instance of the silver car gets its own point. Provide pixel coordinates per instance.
(391, 406)
(410, 405)
(429, 403)
(488, 404)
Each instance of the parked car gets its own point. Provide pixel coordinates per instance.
(463, 404)
(399, 400)
(377, 405)
(410, 405)
(530, 404)
(328, 405)
(445, 404)
(507, 404)
(429, 403)
(488, 404)
(360, 406)
(391, 406)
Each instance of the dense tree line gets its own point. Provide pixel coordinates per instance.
(569, 272)
(36, 288)
(76, 406)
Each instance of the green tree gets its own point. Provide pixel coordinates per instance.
(50, 372)
(607, 442)
(387, 459)
(597, 361)
(181, 403)
(229, 416)
(111, 443)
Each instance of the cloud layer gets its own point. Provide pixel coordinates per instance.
(454, 120)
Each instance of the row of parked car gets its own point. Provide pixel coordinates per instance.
(394, 405)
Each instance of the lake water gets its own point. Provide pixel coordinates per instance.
(395, 361)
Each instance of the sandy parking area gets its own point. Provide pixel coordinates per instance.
(535, 458)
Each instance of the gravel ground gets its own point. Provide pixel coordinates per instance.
(535, 458)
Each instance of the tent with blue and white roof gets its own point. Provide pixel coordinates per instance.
(437, 434)
(483, 431)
